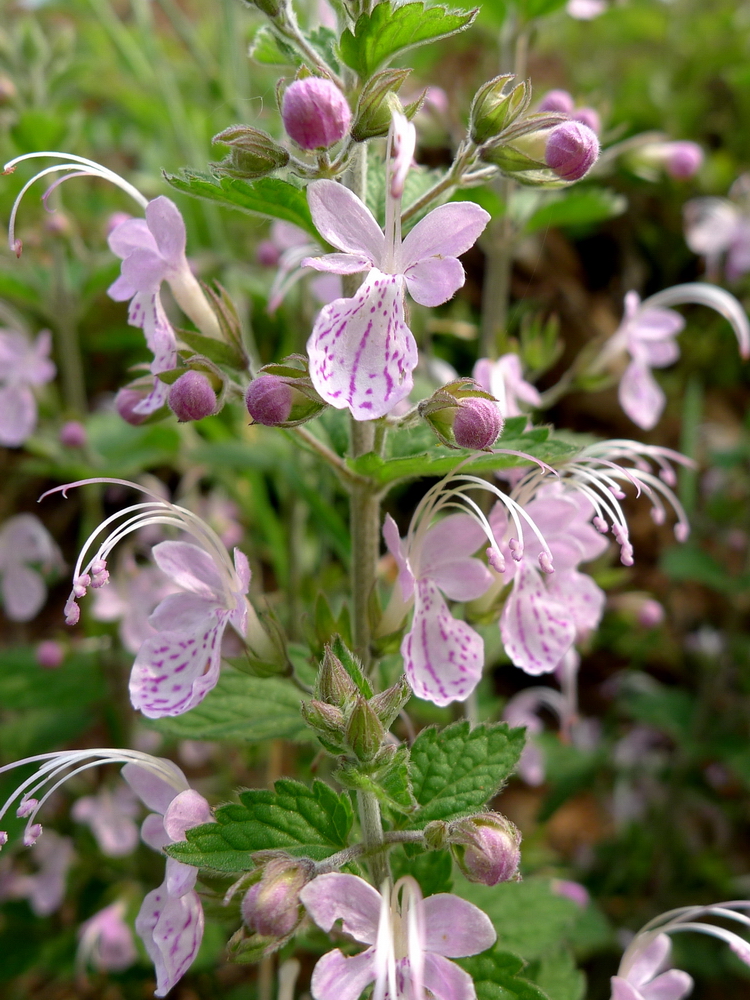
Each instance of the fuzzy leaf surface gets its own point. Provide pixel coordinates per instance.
(496, 977)
(390, 30)
(305, 822)
(456, 770)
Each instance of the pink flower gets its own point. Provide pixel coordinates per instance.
(110, 816)
(106, 942)
(133, 593)
(286, 249)
(504, 379)
(410, 940)
(45, 890)
(586, 10)
(25, 543)
(362, 353)
(714, 227)
(22, 366)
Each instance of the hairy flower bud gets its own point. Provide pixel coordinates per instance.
(492, 110)
(364, 732)
(683, 160)
(477, 423)
(333, 684)
(271, 907)
(589, 117)
(377, 103)
(389, 703)
(72, 434)
(315, 113)
(571, 151)
(269, 400)
(192, 397)
(253, 152)
(49, 654)
(126, 401)
(486, 848)
(557, 100)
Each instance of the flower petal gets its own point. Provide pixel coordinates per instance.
(130, 235)
(447, 231)
(166, 223)
(179, 878)
(443, 657)
(144, 270)
(454, 927)
(640, 396)
(190, 566)
(336, 977)
(622, 990)
(153, 832)
(17, 415)
(184, 613)
(432, 282)
(535, 628)
(396, 549)
(672, 985)
(649, 960)
(339, 263)
(582, 599)
(344, 221)
(154, 792)
(186, 810)
(24, 593)
(446, 981)
(361, 351)
(347, 898)
(174, 672)
(445, 557)
(172, 930)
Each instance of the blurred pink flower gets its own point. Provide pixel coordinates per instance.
(24, 545)
(105, 941)
(23, 365)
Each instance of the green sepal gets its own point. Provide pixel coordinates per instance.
(352, 665)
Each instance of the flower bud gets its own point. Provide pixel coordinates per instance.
(49, 654)
(126, 401)
(253, 152)
(269, 400)
(486, 848)
(72, 434)
(589, 117)
(364, 732)
(683, 160)
(389, 703)
(328, 723)
(333, 684)
(192, 397)
(271, 907)
(571, 151)
(315, 113)
(492, 110)
(477, 424)
(557, 100)
(377, 103)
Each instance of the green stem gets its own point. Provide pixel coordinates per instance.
(364, 515)
(361, 852)
(68, 350)
(372, 836)
(464, 159)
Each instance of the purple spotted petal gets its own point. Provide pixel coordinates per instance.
(443, 657)
(582, 599)
(454, 927)
(183, 613)
(172, 930)
(165, 222)
(446, 981)
(535, 629)
(448, 231)
(17, 415)
(190, 566)
(344, 221)
(434, 281)
(174, 671)
(396, 548)
(336, 977)
(640, 395)
(348, 898)
(186, 810)
(339, 263)
(121, 290)
(179, 878)
(133, 234)
(24, 593)
(361, 351)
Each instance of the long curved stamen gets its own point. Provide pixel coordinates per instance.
(703, 294)
(385, 960)
(58, 767)
(74, 164)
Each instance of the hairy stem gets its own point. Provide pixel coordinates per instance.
(372, 837)
(361, 852)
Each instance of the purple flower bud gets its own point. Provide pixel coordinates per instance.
(272, 906)
(49, 654)
(192, 397)
(267, 254)
(269, 400)
(588, 116)
(557, 100)
(650, 613)
(683, 160)
(315, 113)
(571, 890)
(572, 149)
(477, 423)
(126, 401)
(73, 434)
(486, 848)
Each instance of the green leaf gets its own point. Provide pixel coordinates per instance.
(306, 822)
(270, 196)
(432, 869)
(217, 351)
(440, 461)
(391, 784)
(557, 974)
(688, 562)
(241, 707)
(456, 770)
(577, 208)
(529, 917)
(390, 30)
(495, 976)
(269, 50)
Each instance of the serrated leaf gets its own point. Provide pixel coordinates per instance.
(496, 977)
(270, 197)
(217, 351)
(269, 50)
(241, 707)
(577, 208)
(457, 770)
(432, 869)
(557, 974)
(305, 822)
(390, 30)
